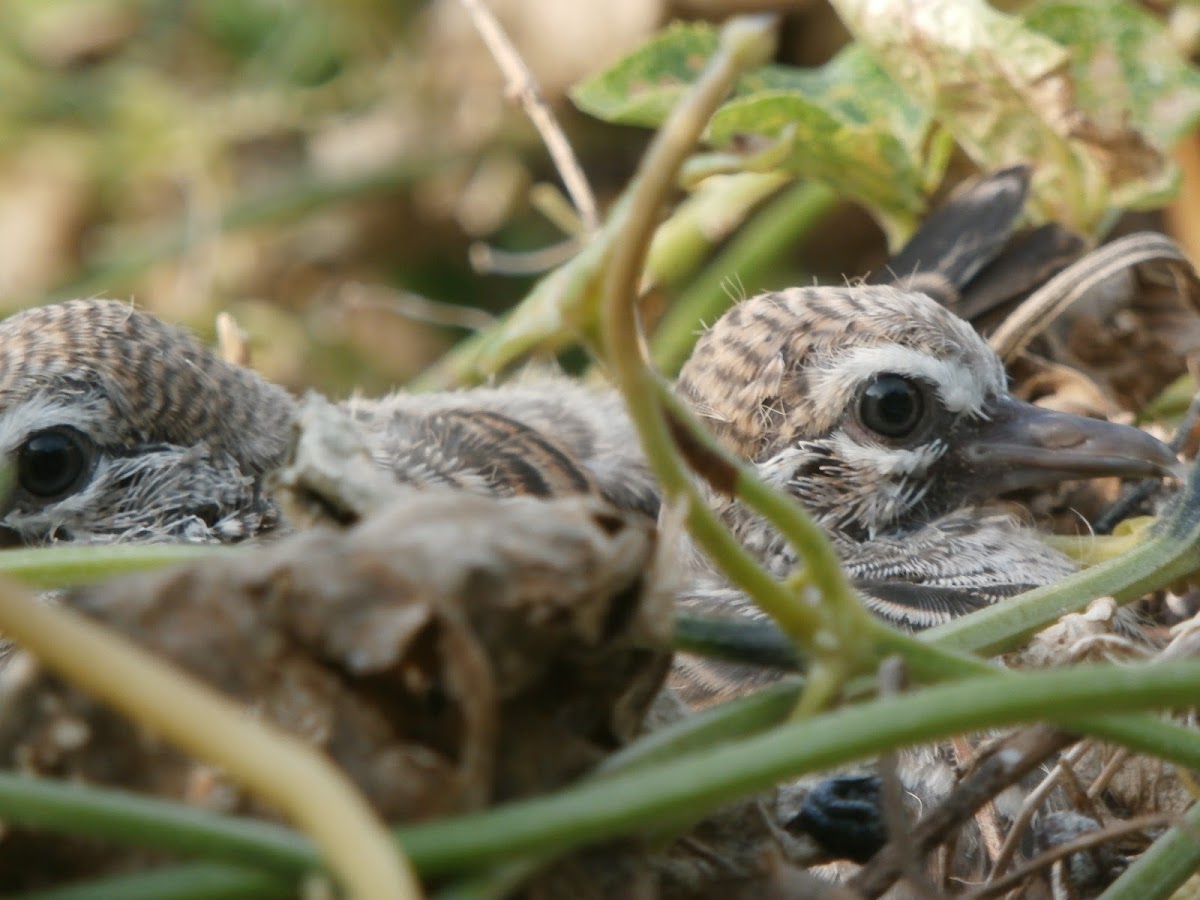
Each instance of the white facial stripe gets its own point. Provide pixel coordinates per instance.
(885, 460)
(961, 388)
(21, 420)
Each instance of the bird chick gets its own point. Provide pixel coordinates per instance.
(890, 420)
(115, 426)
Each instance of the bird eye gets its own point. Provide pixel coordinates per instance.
(52, 462)
(891, 406)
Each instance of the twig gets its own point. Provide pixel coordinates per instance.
(1019, 755)
(550, 314)
(523, 87)
(1045, 304)
(282, 769)
(1030, 805)
(892, 682)
(414, 307)
(488, 260)
(1062, 851)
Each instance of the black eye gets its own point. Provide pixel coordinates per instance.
(52, 462)
(892, 406)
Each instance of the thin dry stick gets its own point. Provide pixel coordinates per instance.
(409, 305)
(523, 87)
(986, 817)
(488, 260)
(1019, 755)
(893, 680)
(282, 769)
(1108, 773)
(1030, 805)
(1045, 304)
(1054, 854)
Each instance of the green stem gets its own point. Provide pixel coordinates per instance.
(717, 207)
(550, 316)
(1164, 866)
(1167, 555)
(747, 257)
(838, 607)
(685, 789)
(104, 813)
(201, 881)
(681, 790)
(66, 565)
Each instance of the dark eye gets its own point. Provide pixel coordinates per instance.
(50, 463)
(892, 406)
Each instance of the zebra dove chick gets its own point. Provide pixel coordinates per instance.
(889, 419)
(118, 427)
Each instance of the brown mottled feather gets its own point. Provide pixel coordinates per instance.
(183, 439)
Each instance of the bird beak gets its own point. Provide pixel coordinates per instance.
(1021, 445)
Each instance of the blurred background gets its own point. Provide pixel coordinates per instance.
(346, 177)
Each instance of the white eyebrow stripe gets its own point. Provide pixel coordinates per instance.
(22, 419)
(963, 389)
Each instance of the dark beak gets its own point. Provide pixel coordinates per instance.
(1022, 445)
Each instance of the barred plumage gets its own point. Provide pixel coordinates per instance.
(171, 442)
(785, 380)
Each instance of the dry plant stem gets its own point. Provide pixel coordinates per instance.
(1062, 851)
(1046, 303)
(413, 307)
(524, 88)
(986, 818)
(281, 769)
(488, 260)
(893, 680)
(1030, 806)
(550, 315)
(1003, 768)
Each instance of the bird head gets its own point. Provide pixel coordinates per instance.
(116, 426)
(880, 409)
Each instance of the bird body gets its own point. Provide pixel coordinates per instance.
(879, 411)
(889, 419)
(119, 427)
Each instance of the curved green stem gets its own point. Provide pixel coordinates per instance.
(71, 564)
(680, 790)
(685, 789)
(1164, 866)
(201, 881)
(748, 255)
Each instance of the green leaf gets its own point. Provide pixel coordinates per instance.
(846, 123)
(643, 87)
(1011, 94)
(851, 127)
(1127, 71)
